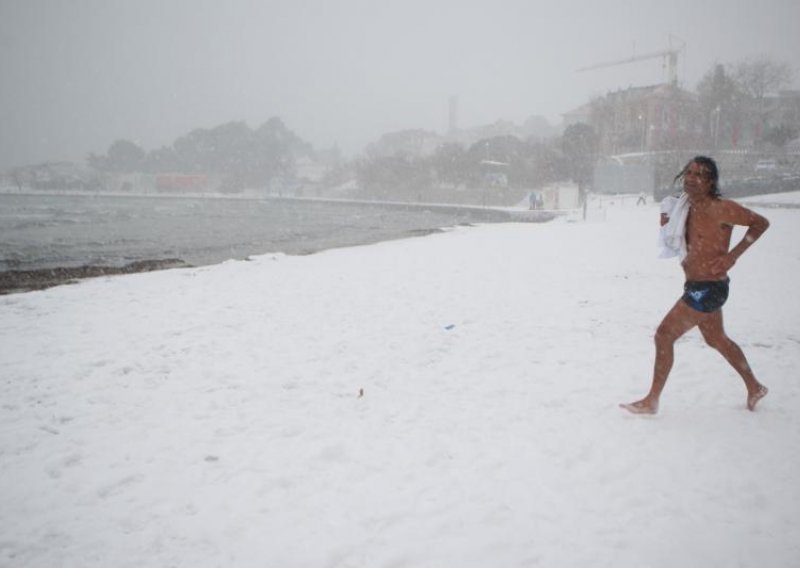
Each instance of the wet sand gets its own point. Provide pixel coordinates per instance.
(13, 281)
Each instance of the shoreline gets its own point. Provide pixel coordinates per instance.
(20, 280)
(31, 280)
(491, 213)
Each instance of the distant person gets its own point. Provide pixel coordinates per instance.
(642, 199)
(699, 231)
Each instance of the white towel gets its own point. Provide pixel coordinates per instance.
(672, 237)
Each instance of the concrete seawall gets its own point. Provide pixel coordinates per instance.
(475, 212)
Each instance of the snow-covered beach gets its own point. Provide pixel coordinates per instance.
(441, 401)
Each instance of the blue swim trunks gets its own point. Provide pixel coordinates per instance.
(706, 296)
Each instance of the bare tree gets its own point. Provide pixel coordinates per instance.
(720, 98)
(760, 76)
(579, 144)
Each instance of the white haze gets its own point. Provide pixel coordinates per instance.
(78, 75)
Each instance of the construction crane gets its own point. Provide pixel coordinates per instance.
(670, 57)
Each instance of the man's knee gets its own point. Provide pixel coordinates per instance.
(665, 335)
(718, 341)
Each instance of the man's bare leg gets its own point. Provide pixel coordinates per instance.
(713, 331)
(680, 319)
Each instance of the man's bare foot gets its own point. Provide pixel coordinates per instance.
(754, 397)
(640, 407)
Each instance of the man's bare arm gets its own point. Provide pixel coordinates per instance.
(735, 214)
(755, 223)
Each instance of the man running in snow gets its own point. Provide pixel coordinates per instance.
(709, 225)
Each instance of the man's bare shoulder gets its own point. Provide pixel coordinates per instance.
(730, 212)
(724, 202)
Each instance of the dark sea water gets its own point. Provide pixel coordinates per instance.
(48, 231)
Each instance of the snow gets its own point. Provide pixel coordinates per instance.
(441, 401)
(774, 200)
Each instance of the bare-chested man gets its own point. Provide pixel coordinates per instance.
(708, 259)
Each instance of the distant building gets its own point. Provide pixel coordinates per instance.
(54, 176)
(564, 195)
(414, 143)
(179, 182)
(645, 119)
(782, 110)
(422, 143)
(581, 114)
(534, 128)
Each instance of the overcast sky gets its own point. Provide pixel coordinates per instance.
(76, 75)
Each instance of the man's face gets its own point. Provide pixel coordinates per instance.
(697, 180)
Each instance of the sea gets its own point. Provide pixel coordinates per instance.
(42, 231)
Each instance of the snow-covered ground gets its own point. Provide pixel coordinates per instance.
(774, 199)
(446, 401)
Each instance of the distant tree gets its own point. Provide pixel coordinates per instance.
(242, 155)
(505, 148)
(449, 164)
(276, 149)
(489, 153)
(161, 160)
(720, 97)
(398, 176)
(17, 175)
(97, 162)
(579, 145)
(122, 156)
(339, 174)
(212, 150)
(544, 163)
(760, 77)
(194, 151)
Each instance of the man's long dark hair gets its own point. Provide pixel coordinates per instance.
(711, 169)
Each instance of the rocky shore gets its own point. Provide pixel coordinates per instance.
(13, 281)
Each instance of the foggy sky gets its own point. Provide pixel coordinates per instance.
(75, 76)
